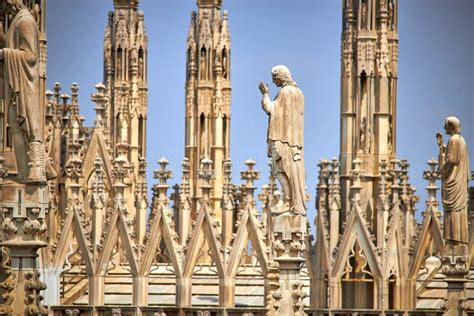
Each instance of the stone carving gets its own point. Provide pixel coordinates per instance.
(8, 286)
(364, 14)
(33, 286)
(202, 65)
(391, 15)
(454, 265)
(285, 137)
(72, 312)
(454, 173)
(21, 92)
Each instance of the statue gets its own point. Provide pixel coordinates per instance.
(285, 137)
(20, 57)
(454, 172)
(364, 11)
(391, 15)
(202, 65)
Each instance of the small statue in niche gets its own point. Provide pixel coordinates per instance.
(362, 134)
(202, 65)
(391, 14)
(454, 173)
(285, 137)
(389, 137)
(134, 56)
(224, 63)
(119, 65)
(140, 67)
(364, 15)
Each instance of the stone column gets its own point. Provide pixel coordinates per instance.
(22, 211)
(289, 233)
(456, 269)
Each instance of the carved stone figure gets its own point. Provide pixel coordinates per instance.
(202, 63)
(20, 58)
(224, 63)
(134, 56)
(454, 172)
(140, 68)
(391, 16)
(285, 137)
(364, 17)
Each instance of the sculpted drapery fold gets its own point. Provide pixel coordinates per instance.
(454, 172)
(285, 137)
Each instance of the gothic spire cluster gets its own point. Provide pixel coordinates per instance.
(216, 245)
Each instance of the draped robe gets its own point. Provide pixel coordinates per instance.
(21, 74)
(285, 143)
(455, 182)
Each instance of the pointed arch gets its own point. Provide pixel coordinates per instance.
(430, 232)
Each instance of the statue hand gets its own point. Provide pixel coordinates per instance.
(296, 153)
(439, 138)
(263, 87)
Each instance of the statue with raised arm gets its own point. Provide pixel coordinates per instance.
(20, 57)
(285, 137)
(454, 173)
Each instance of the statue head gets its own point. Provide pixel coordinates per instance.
(282, 77)
(12, 6)
(452, 125)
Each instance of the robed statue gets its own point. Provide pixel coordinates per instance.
(285, 137)
(454, 173)
(20, 57)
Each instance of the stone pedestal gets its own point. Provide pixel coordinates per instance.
(289, 231)
(456, 269)
(22, 210)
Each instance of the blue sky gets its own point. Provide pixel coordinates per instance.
(436, 72)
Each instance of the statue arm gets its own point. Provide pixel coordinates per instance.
(28, 43)
(267, 104)
(451, 158)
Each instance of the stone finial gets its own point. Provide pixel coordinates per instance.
(98, 185)
(100, 99)
(50, 103)
(228, 186)
(396, 174)
(271, 179)
(356, 186)
(431, 175)
(186, 169)
(120, 171)
(395, 171)
(57, 91)
(383, 198)
(321, 201)
(323, 167)
(65, 107)
(227, 170)
(205, 173)
(250, 175)
(335, 186)
(74, 93)
(162, 174)
(142, 166)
